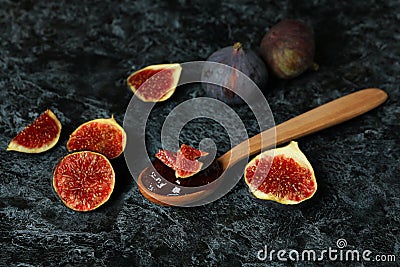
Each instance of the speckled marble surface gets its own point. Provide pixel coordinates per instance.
(74, 57)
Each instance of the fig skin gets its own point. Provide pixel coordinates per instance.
(288, 48)
(246, 61)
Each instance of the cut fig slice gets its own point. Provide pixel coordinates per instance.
(84, 180)
(185, 167)
(39, 136)
(283, 175)
(167, 157)
(184, 162)
(104, 136)
(192, 153)
(149, 87)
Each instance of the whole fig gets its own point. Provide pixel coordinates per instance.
(288, 48)
(246, 61)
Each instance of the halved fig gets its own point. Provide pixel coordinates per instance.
(39, 136)
(184, 162)
(105, 136)
(283, 175)
(149, 87)
(84, 180)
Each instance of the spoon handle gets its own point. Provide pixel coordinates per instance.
(319, 118)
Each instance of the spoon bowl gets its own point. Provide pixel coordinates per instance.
(162, 192)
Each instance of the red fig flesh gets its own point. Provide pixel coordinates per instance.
(192, 153)
(184, 162)
(283, 175)
(39, 136)
(155, 83)
(185, 167)
(84, 180)
(167, 157)
(104, 136)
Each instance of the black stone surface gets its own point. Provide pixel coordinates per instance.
(74, 57)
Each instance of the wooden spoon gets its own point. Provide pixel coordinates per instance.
(322, 117)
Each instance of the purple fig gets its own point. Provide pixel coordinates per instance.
(246, 61)
(288, 48)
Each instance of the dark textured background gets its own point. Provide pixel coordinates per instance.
(74, 57)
